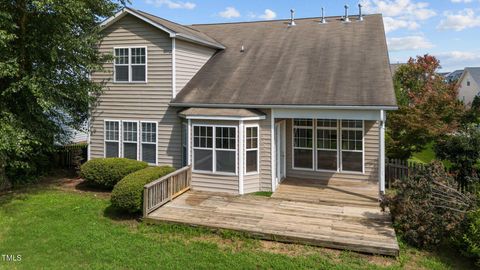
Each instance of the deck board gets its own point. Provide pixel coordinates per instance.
(351, 226)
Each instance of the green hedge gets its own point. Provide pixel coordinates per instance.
(106, 172)
(127, 195)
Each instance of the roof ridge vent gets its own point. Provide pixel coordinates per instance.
(346, 19)
(292, 18)
(323, 20)
(360, 15)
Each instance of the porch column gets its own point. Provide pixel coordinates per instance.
(241, 140)
(381, 169)
(189, 142)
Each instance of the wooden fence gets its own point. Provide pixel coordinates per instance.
(399, 169)
(69, 156)
(165, 189)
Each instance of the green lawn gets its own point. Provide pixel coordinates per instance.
(54, 228)
(425, 156)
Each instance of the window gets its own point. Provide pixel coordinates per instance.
(130, 140)
(130, 65)
(468, 83)
(352, 145)
(203, 148)
(112, 138)
(149, 142)
(251, 149)
(215, 149)
(327, 145)
(303, 143)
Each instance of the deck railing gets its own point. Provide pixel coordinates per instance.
(165, 189)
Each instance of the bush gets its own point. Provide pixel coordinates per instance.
(471, 237)
(106, 172)
(127, 195)
(427, 208)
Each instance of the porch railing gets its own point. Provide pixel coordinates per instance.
(165, 189)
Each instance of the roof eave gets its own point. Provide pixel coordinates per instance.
(299, 106)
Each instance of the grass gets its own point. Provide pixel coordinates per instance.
(54, 228)
(425, 156)
(263, 193)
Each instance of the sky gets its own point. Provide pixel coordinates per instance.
(447, 29)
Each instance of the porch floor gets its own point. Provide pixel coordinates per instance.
(352, 227)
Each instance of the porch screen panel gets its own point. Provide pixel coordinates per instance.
(327, 144)
(352, 145)
(225, 145)
(203, 148)
(149, 142)
(303, 143)
(130, 140)
(112, 139)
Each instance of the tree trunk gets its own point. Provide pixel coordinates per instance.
(4, 182)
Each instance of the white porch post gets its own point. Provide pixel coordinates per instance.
(381, 169)
(272, 148)
(189, 142)
(240, 156)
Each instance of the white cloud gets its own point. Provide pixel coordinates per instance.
(461, 1)
(458, 59)
(268, 15)
(459, 21)
(172, 4)
(230, 12)
(408, 43)
(400, 13)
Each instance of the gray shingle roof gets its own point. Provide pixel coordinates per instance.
(220, 112)
(475, 72)
(334, 64)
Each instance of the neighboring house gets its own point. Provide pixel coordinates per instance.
(246, 104)
(453, 76)
(469, 85)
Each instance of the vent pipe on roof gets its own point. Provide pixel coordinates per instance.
(360, 15)
(346, 19)
(292, 18)
(323, 16)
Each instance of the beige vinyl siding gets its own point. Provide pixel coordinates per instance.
(209, 181)
(139, 101)
(189, 59)
(251, 183)
(371, 144)
(266, 152)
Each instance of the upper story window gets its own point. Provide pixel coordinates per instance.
(468, 83)
(130, 64)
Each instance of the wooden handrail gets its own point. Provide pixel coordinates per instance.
(165, 189)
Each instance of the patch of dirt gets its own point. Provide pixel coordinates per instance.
(77, 184)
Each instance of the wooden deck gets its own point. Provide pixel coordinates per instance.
(361, 228)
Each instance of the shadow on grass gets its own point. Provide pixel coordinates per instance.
(89, 187)
(118, 215)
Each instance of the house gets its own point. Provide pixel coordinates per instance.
(453, 76)
(469, 85)
(246, 104)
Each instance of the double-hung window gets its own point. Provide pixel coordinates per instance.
(112, 139)
(130, 140)
(352, 145)
(130, 64)
(251, 149)
(215, 149)
(303, 143)
(149, 142)
(327, 145)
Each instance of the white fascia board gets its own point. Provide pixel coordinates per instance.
(261, 106)
(226, 118)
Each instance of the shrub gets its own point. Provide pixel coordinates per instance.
(106, 172)
(471, 237)
(427, 208)
(127, 195)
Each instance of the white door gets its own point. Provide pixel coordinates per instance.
(280, 129)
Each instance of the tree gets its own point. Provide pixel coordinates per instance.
(462, 149)
(428, 107)
(47, 51)
(472, 115)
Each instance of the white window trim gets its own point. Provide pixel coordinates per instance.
(140, 141)
(339, 147)
(130, 65)
(123, 138)
(105, 137)
(252, 149)
(214, 148)
(322, 149)
(355, 151)
(312, 128)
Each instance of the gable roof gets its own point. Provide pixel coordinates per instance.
(333, 64)
(475, 73)
(454, 75)
(175, 30)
